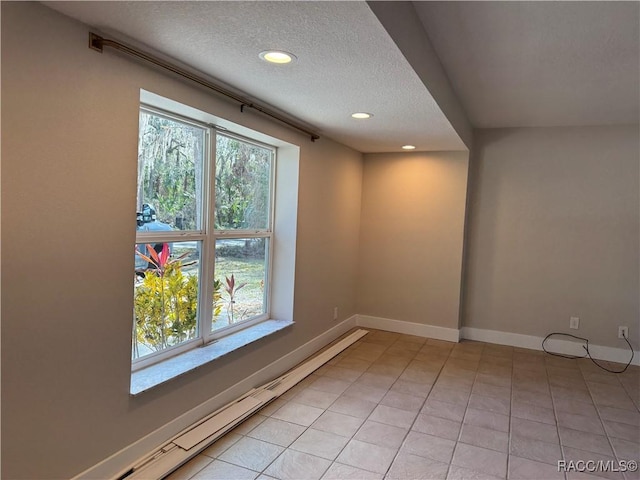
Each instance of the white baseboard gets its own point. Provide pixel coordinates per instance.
(119, 462)
(409, 328)
(565, 347)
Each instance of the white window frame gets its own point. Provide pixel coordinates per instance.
(207, 236)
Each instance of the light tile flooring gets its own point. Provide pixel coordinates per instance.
(401, 407)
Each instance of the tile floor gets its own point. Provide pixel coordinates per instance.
(401, 407)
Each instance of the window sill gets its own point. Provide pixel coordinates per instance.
(162, 372)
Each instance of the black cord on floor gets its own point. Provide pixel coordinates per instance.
(586, 348)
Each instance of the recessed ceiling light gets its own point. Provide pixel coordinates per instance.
(361, 115)
(408, 147)
(277, 56)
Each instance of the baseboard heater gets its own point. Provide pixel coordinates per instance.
(203, 433)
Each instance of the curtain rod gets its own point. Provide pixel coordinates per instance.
(96, 42)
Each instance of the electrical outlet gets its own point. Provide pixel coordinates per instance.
(623, 332)
(335, 313)
(574, 322)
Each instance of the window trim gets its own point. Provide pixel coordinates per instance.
(207, 235)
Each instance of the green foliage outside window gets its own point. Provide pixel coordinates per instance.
(242, 184)
(165, 308)
(166, 303)
(169, 169)
(170, 176)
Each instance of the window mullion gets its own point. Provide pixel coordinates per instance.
(156, 237)
(205, 310)
(242, 233)
(272, 213)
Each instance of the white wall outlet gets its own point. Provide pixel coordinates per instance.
(574, 322)
(335, 313)
(623, 332)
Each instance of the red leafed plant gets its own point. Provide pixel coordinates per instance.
(161, 260)
(231, 288)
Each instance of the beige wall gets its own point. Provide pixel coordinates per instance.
(554, 232)
(69, 143)
(411, 236)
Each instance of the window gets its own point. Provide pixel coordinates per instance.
(205, 202)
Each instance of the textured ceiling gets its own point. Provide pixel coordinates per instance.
(511, 64)
(346, 63)
(539, 63)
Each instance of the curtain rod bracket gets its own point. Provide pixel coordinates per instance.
(95, 42)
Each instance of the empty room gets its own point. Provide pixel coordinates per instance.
(320, 240)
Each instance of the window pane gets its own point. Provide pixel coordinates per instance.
(170, 159)
(165, 296)
(240, 280)
(243, 173)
